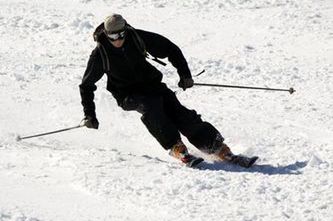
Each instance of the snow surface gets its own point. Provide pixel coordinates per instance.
(120, 172)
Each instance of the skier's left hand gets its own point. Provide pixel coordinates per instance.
(90, 122)
(185, 83)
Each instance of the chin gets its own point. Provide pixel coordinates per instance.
(118, 43)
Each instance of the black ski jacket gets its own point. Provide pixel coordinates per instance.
(129, 71)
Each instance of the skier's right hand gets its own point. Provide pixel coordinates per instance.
(90, 122)
(185, 83)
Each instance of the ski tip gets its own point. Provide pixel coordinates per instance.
(252, 161)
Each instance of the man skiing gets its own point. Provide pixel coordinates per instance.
(136, 85)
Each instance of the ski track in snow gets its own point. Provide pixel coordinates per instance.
(119, 172)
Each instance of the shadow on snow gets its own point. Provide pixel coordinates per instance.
(267, 169)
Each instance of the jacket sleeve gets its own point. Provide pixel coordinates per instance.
(161, 47)
(93, 73)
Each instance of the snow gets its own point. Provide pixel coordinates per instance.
(119, 172)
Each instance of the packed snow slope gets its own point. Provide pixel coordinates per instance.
(119, 172)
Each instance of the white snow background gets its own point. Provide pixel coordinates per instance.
(120, 172)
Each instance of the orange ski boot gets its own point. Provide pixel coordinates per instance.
(225, 154)
(179, 151)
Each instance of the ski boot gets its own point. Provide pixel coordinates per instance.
(180, 152)
(225, 154)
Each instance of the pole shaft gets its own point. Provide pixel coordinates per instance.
(51, 132)
(243, 87)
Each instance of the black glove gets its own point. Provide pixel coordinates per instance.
(185, 83)
(90, 122)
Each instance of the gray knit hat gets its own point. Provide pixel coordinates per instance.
(114, 23)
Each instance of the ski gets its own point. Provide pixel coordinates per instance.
(243, 161)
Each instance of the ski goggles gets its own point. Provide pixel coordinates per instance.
(116, 36)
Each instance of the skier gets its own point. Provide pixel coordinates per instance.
(121, 53)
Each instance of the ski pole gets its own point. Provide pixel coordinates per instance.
(290, 90)
(18, 138)
(200, 73)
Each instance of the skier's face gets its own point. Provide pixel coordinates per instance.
(117, 38)
(118, 43)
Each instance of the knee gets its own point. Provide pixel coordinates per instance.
(151, 114)
(130, 103)
(142, 104)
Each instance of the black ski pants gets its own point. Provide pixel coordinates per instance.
(165, 118)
